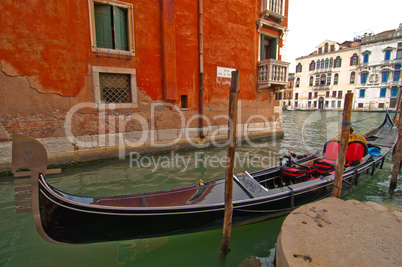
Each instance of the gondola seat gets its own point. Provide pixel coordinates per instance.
(298, 174)
(355, 153)
(327, 162)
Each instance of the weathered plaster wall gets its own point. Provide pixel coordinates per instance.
(46, 67)
(44, 40)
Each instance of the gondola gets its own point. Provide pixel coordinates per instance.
(64, 218)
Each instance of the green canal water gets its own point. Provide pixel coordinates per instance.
(20, 245)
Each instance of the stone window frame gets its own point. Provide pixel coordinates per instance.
(130, 23)
(96, 84)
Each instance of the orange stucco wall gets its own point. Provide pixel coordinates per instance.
(46, 58)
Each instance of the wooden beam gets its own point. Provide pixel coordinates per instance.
(227, 220)
(397, 149)
(343, 146)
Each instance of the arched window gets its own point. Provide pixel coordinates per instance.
(299, 67)
(329, 79)
(298, 82)
(323, 79)
(317, 80)
(336, 78)
(326, 48)
(318, 64)
(331, 62)
(326, 63)
(338, 62)
(353, 60)
(352, 77)
(322, 63)
(311, 81)
(312, 65)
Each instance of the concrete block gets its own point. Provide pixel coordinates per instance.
(168, 134)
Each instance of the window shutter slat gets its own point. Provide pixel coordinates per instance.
(120, 27)
(103, 26)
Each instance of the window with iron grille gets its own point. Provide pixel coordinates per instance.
(115, 88)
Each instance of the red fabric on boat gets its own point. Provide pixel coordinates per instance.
(356, 150)
(330, 150)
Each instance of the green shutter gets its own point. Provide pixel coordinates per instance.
(103, 26)
(120, 28)
(262, 48)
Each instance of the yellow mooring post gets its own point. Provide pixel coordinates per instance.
(227, 220)
(343, 146)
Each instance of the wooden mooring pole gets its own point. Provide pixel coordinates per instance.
(227, 220)
(343, 146)
(397, 149)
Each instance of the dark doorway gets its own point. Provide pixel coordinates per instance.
(321, 103)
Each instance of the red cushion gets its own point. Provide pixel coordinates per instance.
(356, 151)
(331, 149)
(294, 172)
(325, 163)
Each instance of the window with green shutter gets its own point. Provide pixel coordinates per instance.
(111, 27)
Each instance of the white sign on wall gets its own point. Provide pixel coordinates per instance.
(224, 72)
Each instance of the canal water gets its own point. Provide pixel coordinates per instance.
(20, 245)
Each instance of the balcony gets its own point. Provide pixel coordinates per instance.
(396, 83)
(272, 72)
(273, 8)
(329, 69)
(322, 87)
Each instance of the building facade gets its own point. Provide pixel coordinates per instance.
(285, 96)
(107, 73)
(325, 76)
(379, 75)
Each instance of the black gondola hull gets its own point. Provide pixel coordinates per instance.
(69, 219)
